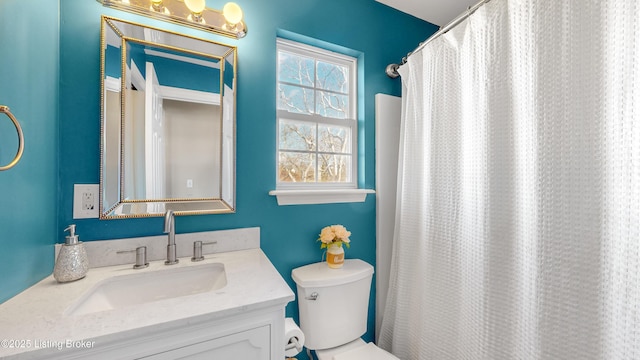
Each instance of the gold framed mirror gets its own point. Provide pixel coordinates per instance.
(167, 122)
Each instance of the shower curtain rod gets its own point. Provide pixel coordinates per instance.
(392, 69)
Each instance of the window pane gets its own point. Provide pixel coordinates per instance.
(334, 168)
(296, 167)
(333, 77)
(332, 105)
(297, 135)
(334, 138)
(295, 69)
(295, 99)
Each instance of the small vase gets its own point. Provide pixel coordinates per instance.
(335, 256)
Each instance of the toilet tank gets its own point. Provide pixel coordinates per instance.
(338, 315)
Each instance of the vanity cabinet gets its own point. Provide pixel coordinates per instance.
(256, 335)
(249, 344)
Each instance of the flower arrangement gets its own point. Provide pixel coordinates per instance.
(334, 234)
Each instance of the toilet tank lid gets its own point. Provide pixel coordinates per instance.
(319, 274)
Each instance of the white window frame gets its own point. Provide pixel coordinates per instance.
(351, 121)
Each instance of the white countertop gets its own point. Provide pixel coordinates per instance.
(34, 320)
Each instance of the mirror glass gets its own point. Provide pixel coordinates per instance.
(168, 123)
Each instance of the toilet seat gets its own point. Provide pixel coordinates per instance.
(355, 350)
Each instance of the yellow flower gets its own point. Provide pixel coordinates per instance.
(334, 234)
(341, 232)
(326, 235)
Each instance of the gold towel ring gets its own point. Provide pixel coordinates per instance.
(5, 109)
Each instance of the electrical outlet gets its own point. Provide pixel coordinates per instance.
(85, 201)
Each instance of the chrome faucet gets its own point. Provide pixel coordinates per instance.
(170, 228)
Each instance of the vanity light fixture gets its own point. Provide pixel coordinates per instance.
(196, 7)
(193, 13)
(233, 15)
(156, 5)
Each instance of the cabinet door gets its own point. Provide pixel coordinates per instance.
(249, 344)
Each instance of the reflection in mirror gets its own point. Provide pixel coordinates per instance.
(168, 123)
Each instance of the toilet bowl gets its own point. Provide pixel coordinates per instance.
(333, 307)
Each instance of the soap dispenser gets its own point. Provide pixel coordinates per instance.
(72, 263)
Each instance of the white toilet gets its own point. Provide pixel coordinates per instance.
(333, 305)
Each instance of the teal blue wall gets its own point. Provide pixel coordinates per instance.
(29, 57)
(379, 34)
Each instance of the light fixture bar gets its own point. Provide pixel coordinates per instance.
(177, 12)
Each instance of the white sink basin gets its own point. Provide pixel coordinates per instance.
(134, 289)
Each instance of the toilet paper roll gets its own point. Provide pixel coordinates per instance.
(293, 336)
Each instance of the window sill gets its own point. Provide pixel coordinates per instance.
(324, 196)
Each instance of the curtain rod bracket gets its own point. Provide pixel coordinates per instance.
(392, 71)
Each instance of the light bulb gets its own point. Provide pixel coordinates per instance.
(232, 13)
(156, 5)
(196, 6)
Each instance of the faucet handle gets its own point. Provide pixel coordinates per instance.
(141, 257)
(197, 250)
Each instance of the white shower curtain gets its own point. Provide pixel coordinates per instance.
(518, 220)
